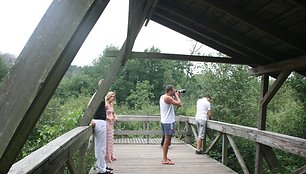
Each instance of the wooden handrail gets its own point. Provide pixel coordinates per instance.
(268, 139)
(147, 119)
(282, 142)
(53, 156)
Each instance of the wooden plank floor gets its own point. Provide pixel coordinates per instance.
(146, 158)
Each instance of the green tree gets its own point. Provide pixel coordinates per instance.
(141, 96)
(158, 72)
(235, 93)
(298, 83)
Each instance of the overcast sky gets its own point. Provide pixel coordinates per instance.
(19, 18)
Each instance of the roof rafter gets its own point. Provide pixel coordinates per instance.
(240, 44)
(212, 59)
(187, 31)
(258, 24)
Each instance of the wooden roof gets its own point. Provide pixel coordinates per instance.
(267, 35)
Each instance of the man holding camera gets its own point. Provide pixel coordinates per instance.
(167, 102)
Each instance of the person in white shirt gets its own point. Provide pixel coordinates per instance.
(202, 115)
(167, 102)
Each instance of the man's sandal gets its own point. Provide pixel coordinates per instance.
(168, 162)
(167, 159)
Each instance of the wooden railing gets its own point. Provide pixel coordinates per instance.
(151, 126)
(290, 144)
(56, 155)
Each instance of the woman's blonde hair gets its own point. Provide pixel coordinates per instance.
(108, 96)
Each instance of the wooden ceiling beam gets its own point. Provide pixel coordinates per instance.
(214, 31)
(300, 3)
(293, 64)
(212, 59)
(259, 24)
(187, 31)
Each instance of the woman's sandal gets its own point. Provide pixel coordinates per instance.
(109, 168)
(107, 172)
(168, 162)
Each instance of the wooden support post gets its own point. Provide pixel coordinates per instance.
(261, 124)
(39, 69)
(213, 143)
(82, 158)
(60, 170)
(71, 167)
(194, 131)
(224, 149)
(191, 130)
(272, 160)
(204, 139)
(266, 96)
(147, 128)
(238, 156)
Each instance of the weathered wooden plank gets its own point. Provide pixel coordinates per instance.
(285, 143)
(272, 160)
(82, 158)
(174, 140)
(146, 132)
(39, 68)
(194, 131)
(146, 159)
(224, 159)
(71, 167)
(281, 78)
(293, 145)
(149, 118)
(167, 56)
(262, 115)
(238, 156)
(291, 64)
(301, 170)
(54, 154)
(213, 143)
(130, 118)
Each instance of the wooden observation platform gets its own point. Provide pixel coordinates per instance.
(135, 156)
(269, 36)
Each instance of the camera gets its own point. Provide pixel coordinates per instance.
(181, 90)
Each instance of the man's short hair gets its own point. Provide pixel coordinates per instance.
(169, 87)
(207, 96)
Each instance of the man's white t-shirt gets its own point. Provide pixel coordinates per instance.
(203, 106)
(166, 111)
